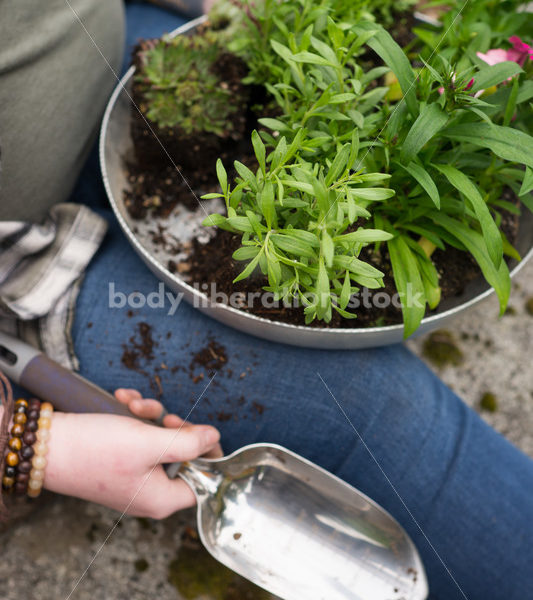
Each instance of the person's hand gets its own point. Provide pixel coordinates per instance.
(116, 461)
(147, 408)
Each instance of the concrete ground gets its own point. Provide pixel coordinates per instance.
(488, 361)
(485, 360)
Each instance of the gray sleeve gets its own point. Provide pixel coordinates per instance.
(55, 77)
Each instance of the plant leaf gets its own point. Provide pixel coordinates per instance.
(505, 142)
(509, 249)
(273, 269)
(430, 120)
(282, 51)
(324, 50)
(259, 149)
(356, 266)
(246, 252)
(527, 200)
(424, 179)
(364, 236)
(499, 278)
(408, 283)
(328, 248)
(240, 223)
(274, 124)
(249, 269)
(298, 185)
(354, 149)
(217, 220)
(293, 245)
(338, 165)
(322, 291)
(341, 98)
(511, 103)
(376, 194)
(483, 116)
(392, 55)
(490, 230)
(306, 236)
(322, 195)
(267, 205)
(222, 176)
(494, 74)
(527, 182)
(246, 175)
(346, 291)
(278, 155)
(311, 59)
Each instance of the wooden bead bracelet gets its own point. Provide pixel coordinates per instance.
(40, 449)
(27, 448)
(26, 453)
(15, 445)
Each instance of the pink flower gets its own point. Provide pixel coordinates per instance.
(519, 53)
(493, 57)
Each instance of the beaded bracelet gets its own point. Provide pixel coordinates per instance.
(12, 459)
(40, 449)
(27, 451)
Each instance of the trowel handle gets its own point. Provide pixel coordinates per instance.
(49, 381)
(66, 390)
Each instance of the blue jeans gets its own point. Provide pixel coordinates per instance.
(462, 492)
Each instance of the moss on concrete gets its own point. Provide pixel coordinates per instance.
(489, 402)
(196, 574)
(141, 565)
(441, 348)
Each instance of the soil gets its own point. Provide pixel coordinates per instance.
(173, 162)
(212, 358)
(223, 272)
(402, 30)
(138, 353)
(140, 347)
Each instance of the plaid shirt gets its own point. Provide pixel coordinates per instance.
(41, 268)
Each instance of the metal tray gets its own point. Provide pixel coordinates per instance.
(116, 146)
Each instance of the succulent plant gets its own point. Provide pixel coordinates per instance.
(182, 87)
